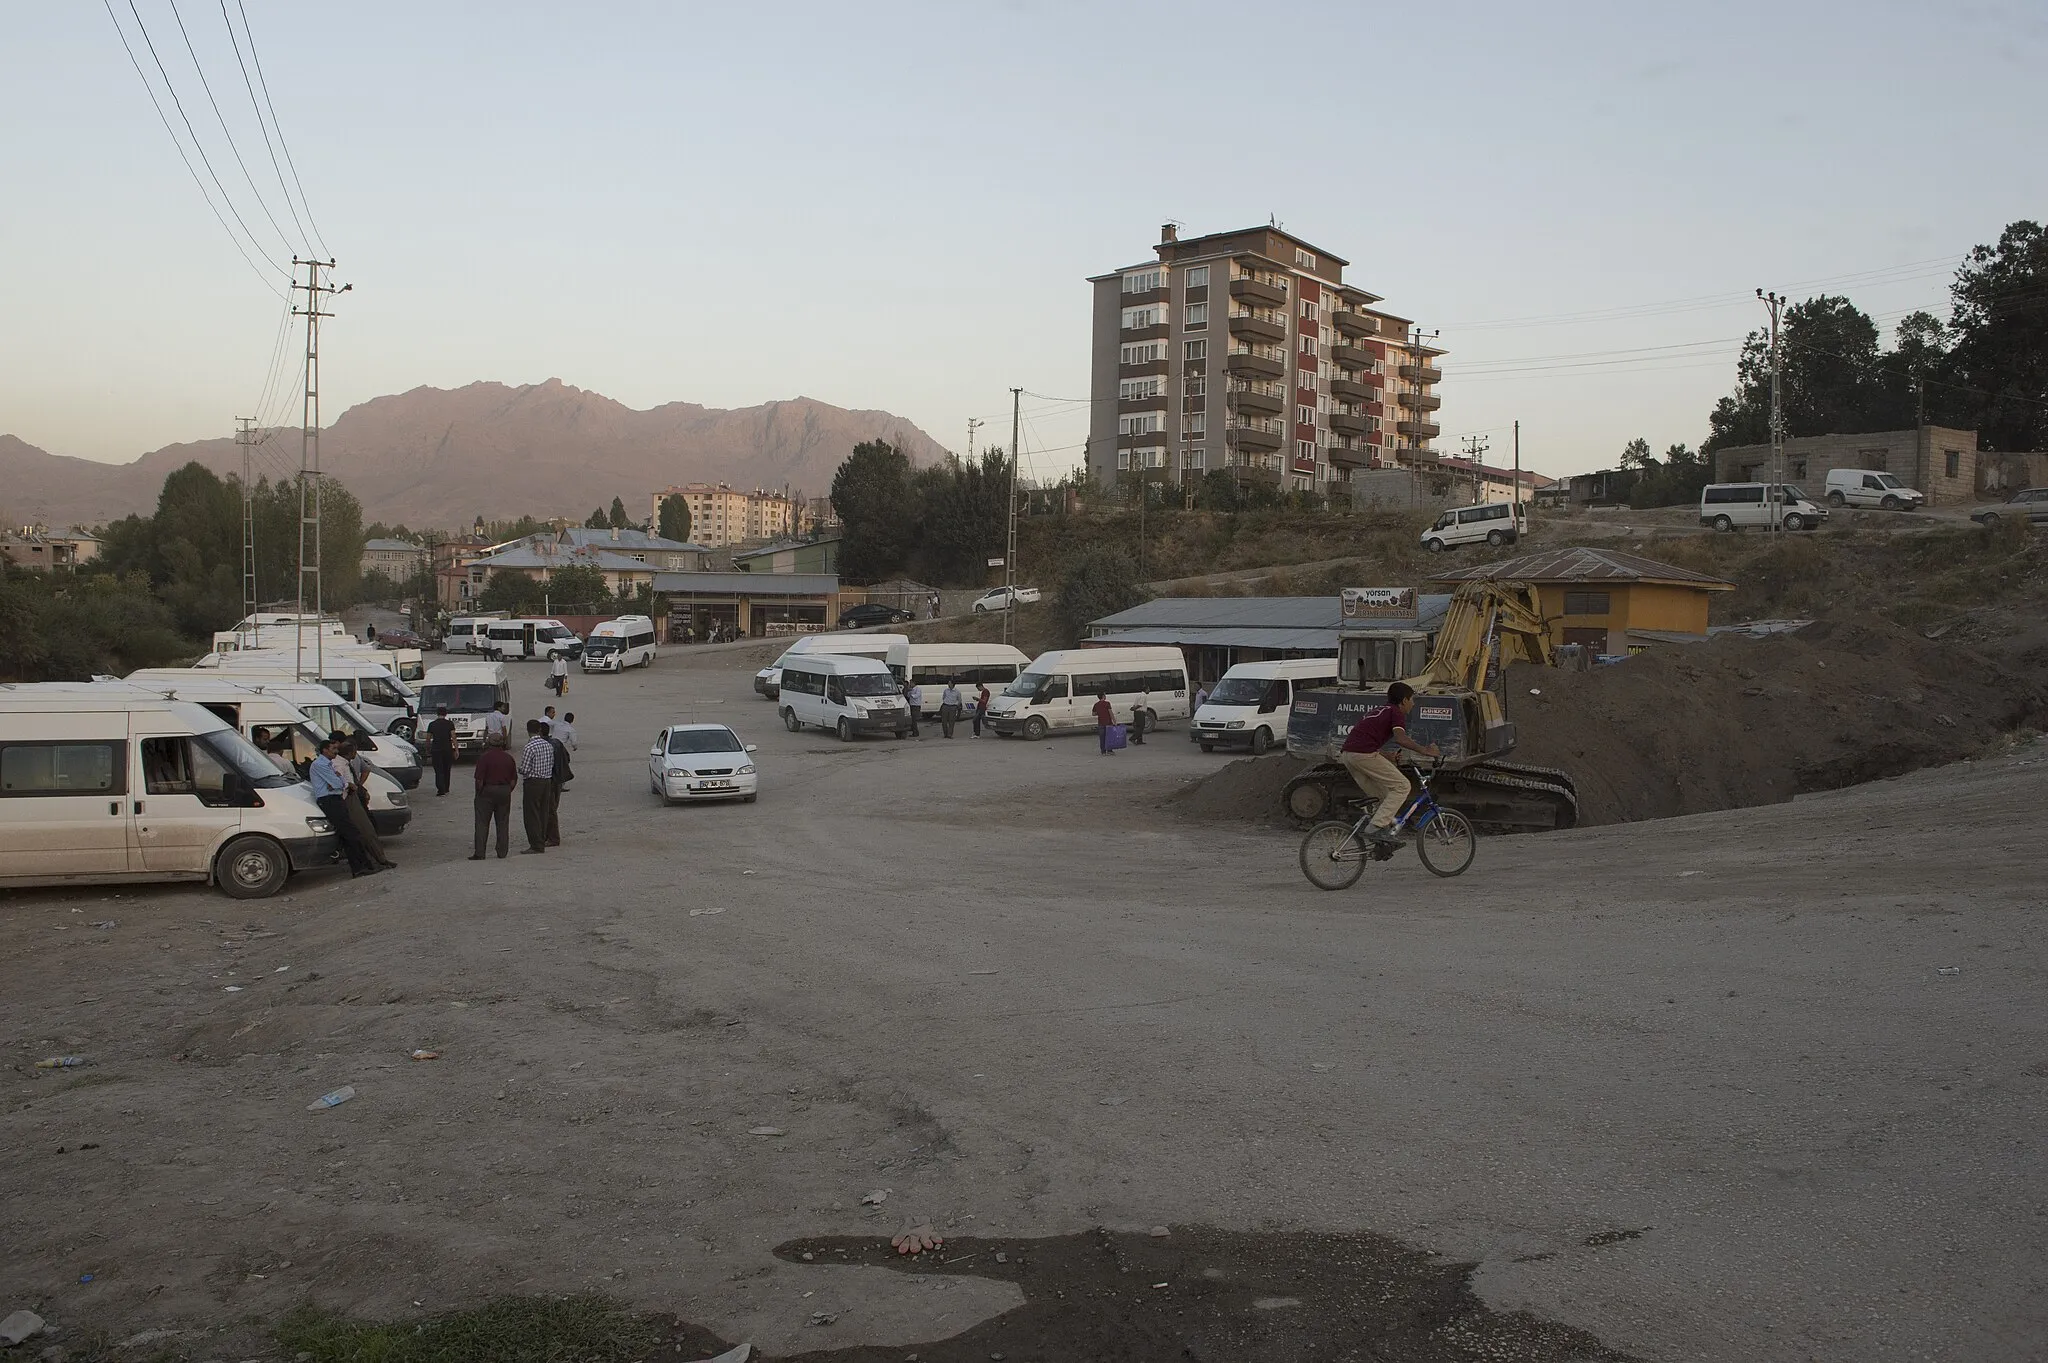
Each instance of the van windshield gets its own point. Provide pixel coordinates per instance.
(1037, 686)
(1238, 691)
(601, 644)
(1886, 480)
(468, 698)
(869, 684)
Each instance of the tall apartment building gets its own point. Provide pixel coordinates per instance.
(1247, 351)
(723, 515)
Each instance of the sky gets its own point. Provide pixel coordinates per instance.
(897, 206)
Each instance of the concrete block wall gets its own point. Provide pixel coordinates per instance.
(1919, 457)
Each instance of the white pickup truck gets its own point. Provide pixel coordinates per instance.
(1002, 598)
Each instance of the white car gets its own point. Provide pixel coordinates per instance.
(1002, 598)
(701, 762)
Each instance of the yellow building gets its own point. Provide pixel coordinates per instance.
(1601, 597)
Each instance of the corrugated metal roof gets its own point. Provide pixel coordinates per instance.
(1307, 640)
(636, 541)
(747, 584)
(1581, 564)
(1200, 613)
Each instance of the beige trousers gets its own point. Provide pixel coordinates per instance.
(1378, 776)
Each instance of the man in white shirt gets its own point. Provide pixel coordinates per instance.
(949, 706)
(563, 731)
(498, 723)
(913, 696)
(558, 671)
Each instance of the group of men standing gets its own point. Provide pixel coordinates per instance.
(542, 762)
(952, 706)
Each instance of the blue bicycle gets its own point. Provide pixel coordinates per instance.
(1334, 854)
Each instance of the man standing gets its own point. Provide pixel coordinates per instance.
(1372, 771)
(359, 803)
(560, 780)
(1138, 720)
(547, 721)
(537, 767)
(564, 731)
(331, 780)
(496, 774)
(558, 674)
(441, 744)
(980, 706)
(1105, 715)
(913, 696)
(498, 724)
(949, 706)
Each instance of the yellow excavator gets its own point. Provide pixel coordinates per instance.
(1486, 626)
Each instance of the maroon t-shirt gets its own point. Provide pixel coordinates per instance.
(495, 767)
(1375, 729)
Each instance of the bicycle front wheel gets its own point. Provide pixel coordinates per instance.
(1446, 843)
(1332, 857)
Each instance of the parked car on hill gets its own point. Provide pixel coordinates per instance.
(872, 613)
(2029, 504)
(1002, 598)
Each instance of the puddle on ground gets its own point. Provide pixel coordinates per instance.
(1197, 1295)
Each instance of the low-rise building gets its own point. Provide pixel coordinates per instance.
(42, 549)
(663, 555)
(1938, 460)
(749, 605)
(1480, 482)
(1597, 598)
(722, 515)
(399, 560)
(791, 556)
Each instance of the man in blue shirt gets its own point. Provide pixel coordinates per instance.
(331, 780)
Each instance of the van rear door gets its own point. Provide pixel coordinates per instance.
(65, 806)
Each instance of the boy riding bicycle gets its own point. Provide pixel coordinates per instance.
(1374, 773)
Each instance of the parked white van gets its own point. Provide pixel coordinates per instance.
(535, 638)
(466, 632)
(1251, 702)
(768, 680)
(1494, 523)
(1057, 689)
(849, 696)
(407, 664)
(619, 644)
(1732, 506)
(370, 686)
(931, 666)
(470, 691)
(1871, 487)
(103, 783)
(394, 756)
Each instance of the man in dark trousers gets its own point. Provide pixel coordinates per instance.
(1105, 715)
(980, 706)
(332, 781)
(537, 769)
(441, 745)
(496, 774)
(562, 777)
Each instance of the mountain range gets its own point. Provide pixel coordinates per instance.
(441, 457)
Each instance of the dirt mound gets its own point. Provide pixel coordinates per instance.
(1740, 721)
(1247, 789)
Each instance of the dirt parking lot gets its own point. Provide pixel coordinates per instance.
(1759, 1084)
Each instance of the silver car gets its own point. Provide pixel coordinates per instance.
(2029, 504)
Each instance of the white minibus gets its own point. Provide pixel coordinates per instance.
(769, 679)
(370, 686)
(466, 632)
(619, 644)
(1495, 523)
(102, 784)
(1057, 690)
(848, 696)
(1250, 703)
(532, 638)
(470, 691)
(931, 666)
(394, 756)
(1731, 506)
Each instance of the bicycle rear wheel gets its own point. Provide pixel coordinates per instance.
(1446, 843)
(1331, 857)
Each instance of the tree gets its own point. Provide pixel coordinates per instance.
(1833, 378)
(1999, 317)
(1099, 582)
(962, 517)
(597, 520)
(675, 520)
(1635, 454)
(378, 586)
(513, 592)
(871, 492)
(617, 518)
(577, 584)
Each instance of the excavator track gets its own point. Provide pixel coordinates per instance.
(1499, 797)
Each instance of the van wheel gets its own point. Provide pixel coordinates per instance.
(1434, 546)
(1262, 738)
(1496, 538)
(1837, 500)
(1723, 525)
(1794, 521)
(251, 868)
(790, 721)
(1890, 503)
(845, 729)
(1034, 728)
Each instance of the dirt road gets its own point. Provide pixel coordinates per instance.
(1699, 1088)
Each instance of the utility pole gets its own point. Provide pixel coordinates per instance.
(1776, 304)
(1010, 547)
(309, 468)
(245, 436)
(973, 424)
(1518, 477)
(1476, 447)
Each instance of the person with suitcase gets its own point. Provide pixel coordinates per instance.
(1105, 720)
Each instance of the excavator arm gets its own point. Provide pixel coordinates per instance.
(1480, 612)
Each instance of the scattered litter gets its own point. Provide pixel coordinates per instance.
(766, 1131)
(105, 923)
(822, 1318)
(1951, 970)
(232, 988)
(699, 913)
(334, 1099)
(1535, 690)
(808, 1256)
(280, 970)
(1683, 874)
(982, 972)
(1160, 1232)
(746, 873)
(86, 1277)
(739, 1353)
(61, 1062)
(426, 1055)
(19, 1326)
(875, 1198)
(1157, 1286)
(1001, 1257)
(1322, 1067)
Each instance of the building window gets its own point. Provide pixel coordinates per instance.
(1151, 386)
(1873, 459)
(1308, 311)
(1123, 461)
(1798, 468)
(1308, 345)
(1142, 423)
(1304, 416)
(1585, 603)
(1305, 259)
(1195, 423)
(1952, 463)
(1195, 385)
(1144, 281)
(1143, 352)
(1150, 457)
(1196, 316)
(1152, 316)
(1305, 449)
(1192, 457)
(1198, 276)
(1194, 352)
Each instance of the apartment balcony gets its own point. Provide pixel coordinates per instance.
(1139, 371)
(1158, 295)
(1250, 400)
(1351, 390)
(1157, 331)
(1351, 357)
(1348, 457)
(1158, 402)
(1258, 325)
(1255, 433)
(1421, 402)
(1268, 474)
(1252, 290)
(1349, 424)
(1252, 363)
(1419, 430)
(1422, 373)
(1354, 323)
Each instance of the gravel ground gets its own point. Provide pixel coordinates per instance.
(1698, 1088)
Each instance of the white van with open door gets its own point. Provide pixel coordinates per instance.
(534, 638)
(102, 784)
(931, 666)
(1057, 690)
(846, 696)
(465, 633)
(373, 688)
(394, 756)
(768, 681)
(1250, 704)
(619, 644)
(470, 690)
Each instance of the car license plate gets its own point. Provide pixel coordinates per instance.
(714, 785)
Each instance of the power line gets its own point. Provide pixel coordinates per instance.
(249, 34)
(156, 104)
(221, 119)
(262, 126)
